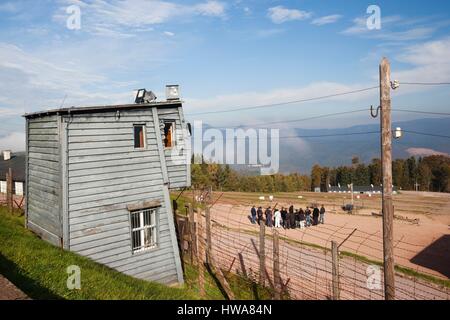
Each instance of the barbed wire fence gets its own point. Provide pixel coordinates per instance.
(319, 262)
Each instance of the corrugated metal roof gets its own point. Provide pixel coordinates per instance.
(16, 163)
(102, 108)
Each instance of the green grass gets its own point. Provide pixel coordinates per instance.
(39, 270)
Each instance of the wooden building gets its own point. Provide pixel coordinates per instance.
(16, 162)
(99, 179)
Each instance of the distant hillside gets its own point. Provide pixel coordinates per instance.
(300, 154)
(338, 150)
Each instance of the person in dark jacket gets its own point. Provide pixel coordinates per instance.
(253, 214)
(260, 214)
(315, 216)
(283, 217)
(302, 218)
(269, 217)
(297, 218)
(322, 215)
(292, 217)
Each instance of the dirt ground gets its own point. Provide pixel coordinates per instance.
(421, 226)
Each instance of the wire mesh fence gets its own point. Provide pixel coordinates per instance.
(299, 263)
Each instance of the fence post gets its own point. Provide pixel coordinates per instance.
(276, 265)
(262, 253)
(335, 269)
(192, 241)
(9, 190)
(178, 233)
(208, 234)
(200, 254)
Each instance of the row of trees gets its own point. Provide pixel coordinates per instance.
(430, 173)
(223, 178)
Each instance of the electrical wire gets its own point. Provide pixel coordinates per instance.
(284, 103)
(422, 112)
(296, 120)
(427, 134)
(425, 83)
(314, 136)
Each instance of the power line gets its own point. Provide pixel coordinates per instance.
(316, 136)
(283, 103)
(297, 120)
(326, 116)
(426, 83)
(422, 112)
(426, 134)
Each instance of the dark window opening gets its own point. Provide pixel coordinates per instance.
(169, 134)
(139, 140)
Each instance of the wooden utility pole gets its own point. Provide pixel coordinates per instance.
(386, 168)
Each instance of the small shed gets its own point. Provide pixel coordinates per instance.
(16, 162)
(99, 179)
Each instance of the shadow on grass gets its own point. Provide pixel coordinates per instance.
(29, 286)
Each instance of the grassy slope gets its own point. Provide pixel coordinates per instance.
(39, 269)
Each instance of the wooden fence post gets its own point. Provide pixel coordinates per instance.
(178, 233)
(262, 253)
(9, 190)
(192, 240)
(208, 234)
(276, 266)
(335, 269)
(200, 254)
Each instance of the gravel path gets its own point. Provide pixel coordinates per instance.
(8, 291)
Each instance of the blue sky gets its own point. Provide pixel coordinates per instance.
(224, 54)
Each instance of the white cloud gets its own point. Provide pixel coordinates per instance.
(430, 61)
(169, 34)
(14, 141)
(393, 28)
(31, 83)
(255, 98)
(280, 14)
(119, 18)
(326, 20)
(211, 8)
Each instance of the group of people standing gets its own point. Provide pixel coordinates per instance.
(288, 218)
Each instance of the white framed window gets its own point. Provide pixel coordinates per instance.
(3, 186)
(144, 229)
(19, 188)
(139, 136)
